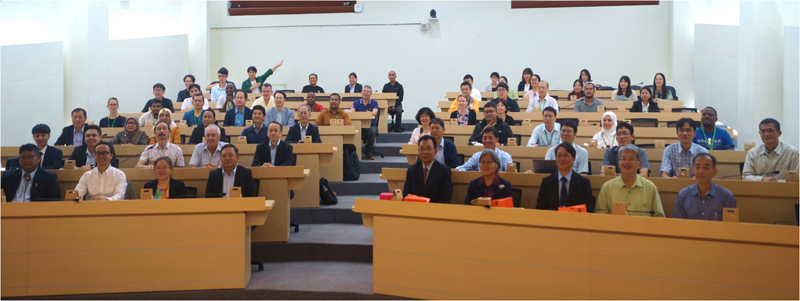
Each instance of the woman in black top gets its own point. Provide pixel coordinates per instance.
(463, 115)
(645, 102)
(164, 186)
(502, 110)
(111, 121)
(490, 184)
(525, 84)
(577, 90)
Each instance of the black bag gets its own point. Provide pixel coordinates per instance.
(351, 168)
(326, 194)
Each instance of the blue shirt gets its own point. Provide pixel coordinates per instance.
(191, 119)
(239, 120)
(721, 139)
(254, 136)
(216, 92)
(77, 137)
(474, 162)
(360, 107)
(674, 157)
(273, 151)
(690, 205)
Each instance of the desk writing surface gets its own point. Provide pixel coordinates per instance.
(566, 105)
(591, 117)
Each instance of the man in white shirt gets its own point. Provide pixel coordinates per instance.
(194, 89)
(770, 161)
(104, 182)
(207, 154)
(568, 132)
(266, 93)
(162, 148)
(150, 118)
(476, 94)
(547, 133)
(539, 103)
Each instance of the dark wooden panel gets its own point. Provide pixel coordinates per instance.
(268, 4)
(290, 10)
(548, 4)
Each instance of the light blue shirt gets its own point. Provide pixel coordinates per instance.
(24, 189)
(77, 137)
(239, 119)
(691, 205)
(90, 158)
(227, 181)
(473, 164)
(541, 137)
(273, 151)
(216, 92)
(674, 157)
(569, 177)
(286, 117)
(581, 164)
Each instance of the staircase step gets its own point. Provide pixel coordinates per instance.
(367, 184)
(375, 166)
(320, 242)
(342, 277)
(390, 149)
(341, 213)
(394, 137)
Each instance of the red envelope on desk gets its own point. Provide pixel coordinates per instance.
(416, 198)
(576, 208)
(387, 196)
(504, 203)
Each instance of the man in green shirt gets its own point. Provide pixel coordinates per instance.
(639, 193)
(253, 82)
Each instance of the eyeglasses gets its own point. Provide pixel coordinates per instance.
(685, 131)
(487, 162)
(569, 132)
(103, 154)
(427, 149)
(623, 133)
(767, 132)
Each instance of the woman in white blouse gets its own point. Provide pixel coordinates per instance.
(624, 90)
(424, 117)
(607, 137)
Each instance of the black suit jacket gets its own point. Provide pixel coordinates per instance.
(475, 190)
(79, 155)
(294, 133)
(230, 116)
(176, 188)
(357, 90)
(53, 158)
(283, 155)
(43, 185)
(652, 106)
(199, 132)
(243, 179)
(439, 187)
(67, 135)
(580, 192)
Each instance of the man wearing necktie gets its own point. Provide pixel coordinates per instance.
(30, 183)
(429, 178)
(565, 188)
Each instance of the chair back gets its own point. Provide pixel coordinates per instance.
(644, 122)
(516, 195)
(130, 192)
(191, 192)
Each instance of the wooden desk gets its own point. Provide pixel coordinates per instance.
(567, 106)
(441, 251)
(591, 117)
(758, 202)
(100, 247)
(275, 185)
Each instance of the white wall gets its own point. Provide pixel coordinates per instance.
(791, 85)
(470, 37)
(716, 73)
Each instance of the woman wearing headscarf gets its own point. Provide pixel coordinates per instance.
(165, 115)
(131, 135)
(607, 137)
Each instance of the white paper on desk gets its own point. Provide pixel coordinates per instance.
(347, 110)
(477, 143)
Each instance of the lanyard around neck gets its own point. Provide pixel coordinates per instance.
(710, 143)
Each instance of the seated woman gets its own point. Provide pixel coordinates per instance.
(577, 90)
(164, 186)
(534, 92)
(194, 117)
(132, 135)
(424, 117)
(607, 136)
(645, 104)
(525, 84)
(464, 115)
(624, 90)
(209, 118)
(502, 109)
(660, 90)
(490, 184)
(113, 120)
(175, 133)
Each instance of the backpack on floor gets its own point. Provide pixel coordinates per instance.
(326, 195)
(351, 168)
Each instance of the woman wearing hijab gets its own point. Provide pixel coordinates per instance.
(607, 137)
(132, 135)
(165, 115)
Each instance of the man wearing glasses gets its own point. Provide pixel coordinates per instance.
(624, 137)
(103, 182)
(769, 161)
(680, 154)
(429, 178)
(568, 132)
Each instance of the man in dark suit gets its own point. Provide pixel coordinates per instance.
(274, 152)
(84, 154)
(69, 136)
(30, 183)
(245, 113)
(353, 87)
(50, 157)
(565, 187)
(303, 128)
(219, 180)
(429, 178)
(446, 151)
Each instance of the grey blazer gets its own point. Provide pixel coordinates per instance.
(288, 116)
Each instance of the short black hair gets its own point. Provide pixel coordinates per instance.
(489, 105)
(467, 84)
(537, 77)
(282, 93)
(194, 86)
(212, 112)
(30, 147)
(423, 138)
(569, 123)
(230, 145)
(252, 68)
(158, 101)
(625, 125)
(165, 159)
(504, 102)
(223, 71)
(198, 94)
(502, 85)
(437, 121)
(490, 129)
(468, 76)
(110, 148)
(93, 127)
(109, 100)
(79, 110)
(260, 108)
(683, 121)
(425, 110)
(713, 159)
(189, 76)
(504, 78)
(768, 121)
(567, 147)
(159, 85)
(314, 74)
(41, 129)
(551, 109)
(240, 90)
(495, 74)
(713, 109)
(332, 94)
(278, 123)
(353, 74)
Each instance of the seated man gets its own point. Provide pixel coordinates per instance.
(568, 132)
(624, 137)
(703, 200)
(267, 100)
(367, 104)
(209, 118)
(710, 136)
(187, 104)
(680, 154)
(769, 161)
(472, 103)
(158, 93)
(227, 100)
(511, 92)
(218, 90)
(543, 99)
(151, 118)
(162, 148)
(502, 93)
(85, 156)
(446, 152)
(30, 182)
(51, 157)
(311, 101)
(207, 154)
(548, 133)
(104, 182)
(489, 140)
(429, 178)
(280, 114)
(73, 134)
(565, 188)
(253, 82)
(312, 85)
(475, 93)
(639, 193)
(274, 152)
(333, 112)
(490, 121)
(230, 174)
(299, 131)
(588, 103)
(257, 133)
(354, 86)
(240, 113)
(397, 109)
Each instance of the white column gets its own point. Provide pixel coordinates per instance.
(76, 61)
(746, 127)
(97, 67)
(682, 75)
(194, 16)
(791, 84)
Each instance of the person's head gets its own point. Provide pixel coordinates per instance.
(280, 99)
(230, 88)
(194, 89)
(494, 77)
(544, 88)
(352, 78)
(577, 88)
(609, 121)
(366, 92)
(334, 101)
(658, 81)
(770, 131)
(103, 155)
(266, 92)
(222, 75)
(629, 159)
(437, 129)
(304, 112)
(259, 114)
(624, 133)
(162, 132)
(466, 87)
(41, 134)
(240, 99)
(503, 79)
(274, 131)
(489, 162)
(131, 124)
(251, 71)
(212, 135)
(165, 115)
(565, 156)
(588, 90)
(229, 157)
(502, 91)
(312, 79)
(461, 101)
(425, 115)
(569, 129)
(29, 157)
(624, 86)
(392, 76)
(645, 94)
(585, 76)
(526, 75)
(311, 98)
(704, 167)
(535, 79)
(209, 116)
(92, 136)
(468, 78)
(78, 118)
(549, 115)
(489, 137)
(426, 146)
(489, 111)
(709, 117)
(155, 106)
(112, 105)
(198, 101)
(188, 80)
(163, 168)
(686, 128)
(502, 107)
(158, 90)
